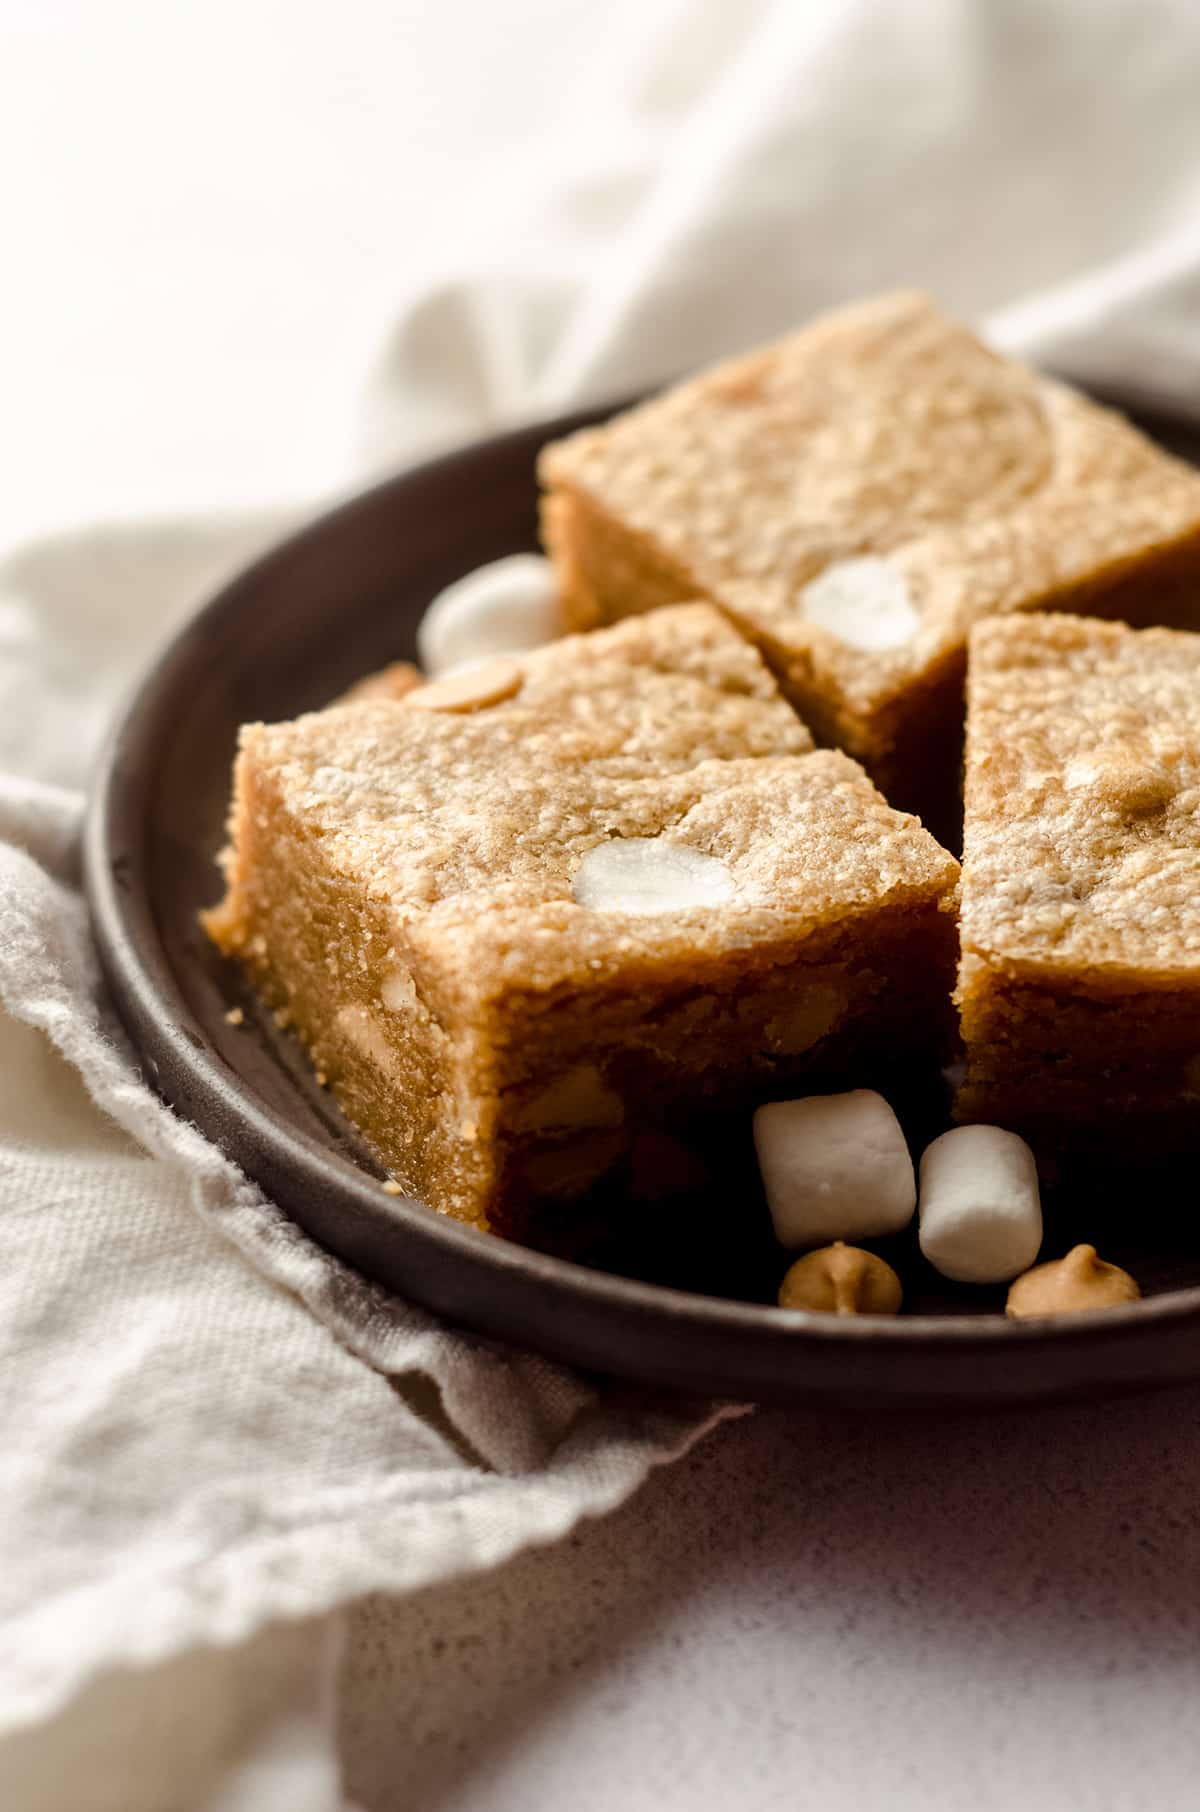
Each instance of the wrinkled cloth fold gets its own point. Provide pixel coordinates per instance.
(238, 1425)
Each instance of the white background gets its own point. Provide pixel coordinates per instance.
(211, 208)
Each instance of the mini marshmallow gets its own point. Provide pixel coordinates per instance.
(650, 875)
(864, 603)
(835, 1167)
(507, 607)
(981, 1214)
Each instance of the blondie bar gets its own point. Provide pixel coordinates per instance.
(854, 498)
(531, 910)
(1079, 985)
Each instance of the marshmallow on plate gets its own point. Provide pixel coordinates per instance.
(980, 1211)
(835, 1167)
(506, 607)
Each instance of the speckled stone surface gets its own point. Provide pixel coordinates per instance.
(817, 1611)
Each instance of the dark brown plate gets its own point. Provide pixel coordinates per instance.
(335, 601)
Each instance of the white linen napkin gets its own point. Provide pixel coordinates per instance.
(210, 1426)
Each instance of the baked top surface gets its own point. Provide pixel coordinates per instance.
(1082, 835)
(883, 430)
(469, 829)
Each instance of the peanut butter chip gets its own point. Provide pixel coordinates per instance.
(473, 690)
(398, 992)
(864, 603)
(841, 1280)
(1068, 1285)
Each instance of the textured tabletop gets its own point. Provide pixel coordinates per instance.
(845, 1613)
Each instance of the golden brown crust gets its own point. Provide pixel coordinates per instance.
(1079, 980)
(1083, 799)
(881, 430)
(402, 883)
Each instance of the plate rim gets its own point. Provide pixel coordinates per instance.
(226, 1109)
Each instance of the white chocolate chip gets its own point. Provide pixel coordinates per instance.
(834, 1167)
(650, 875)
(507, 607)
(361, 1029)
(864, 603)
(398, 991)
(981, 1213)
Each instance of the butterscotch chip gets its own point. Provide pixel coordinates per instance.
(475, 689)
(841, 1280)
(1079, 982)
(855, 497)
(1069, 1285)
(628, 898)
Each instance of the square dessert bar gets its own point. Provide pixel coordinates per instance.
(525, 913)
(854, 498)
(1079, 985)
